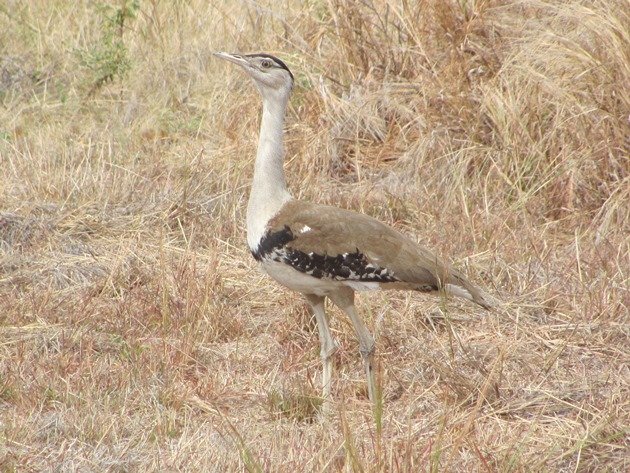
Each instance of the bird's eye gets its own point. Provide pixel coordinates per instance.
(266, 63)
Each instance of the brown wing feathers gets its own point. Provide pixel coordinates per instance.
(340, 244)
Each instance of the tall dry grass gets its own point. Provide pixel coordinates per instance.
(136, 331)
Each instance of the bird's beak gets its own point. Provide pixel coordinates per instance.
(235, 58)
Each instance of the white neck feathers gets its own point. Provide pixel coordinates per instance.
(269, 189)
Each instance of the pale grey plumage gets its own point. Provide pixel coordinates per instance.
(324, 251)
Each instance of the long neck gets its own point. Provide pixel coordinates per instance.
(269, 180)
(269, 188)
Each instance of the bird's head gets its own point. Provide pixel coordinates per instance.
(271, 76)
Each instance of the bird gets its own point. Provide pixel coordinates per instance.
(326, 252)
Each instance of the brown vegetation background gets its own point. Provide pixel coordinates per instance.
(137, 334)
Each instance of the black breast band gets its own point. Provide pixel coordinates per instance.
(353, 266)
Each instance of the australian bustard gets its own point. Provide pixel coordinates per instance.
(323, 251)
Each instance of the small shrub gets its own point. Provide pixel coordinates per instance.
(108, 59)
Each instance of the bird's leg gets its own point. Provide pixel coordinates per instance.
(344, 299)
(327, 344)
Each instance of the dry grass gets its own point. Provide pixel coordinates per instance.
(136, 333)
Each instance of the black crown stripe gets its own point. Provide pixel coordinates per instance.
(279, 62)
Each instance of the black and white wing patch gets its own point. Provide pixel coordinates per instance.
(349, 266)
